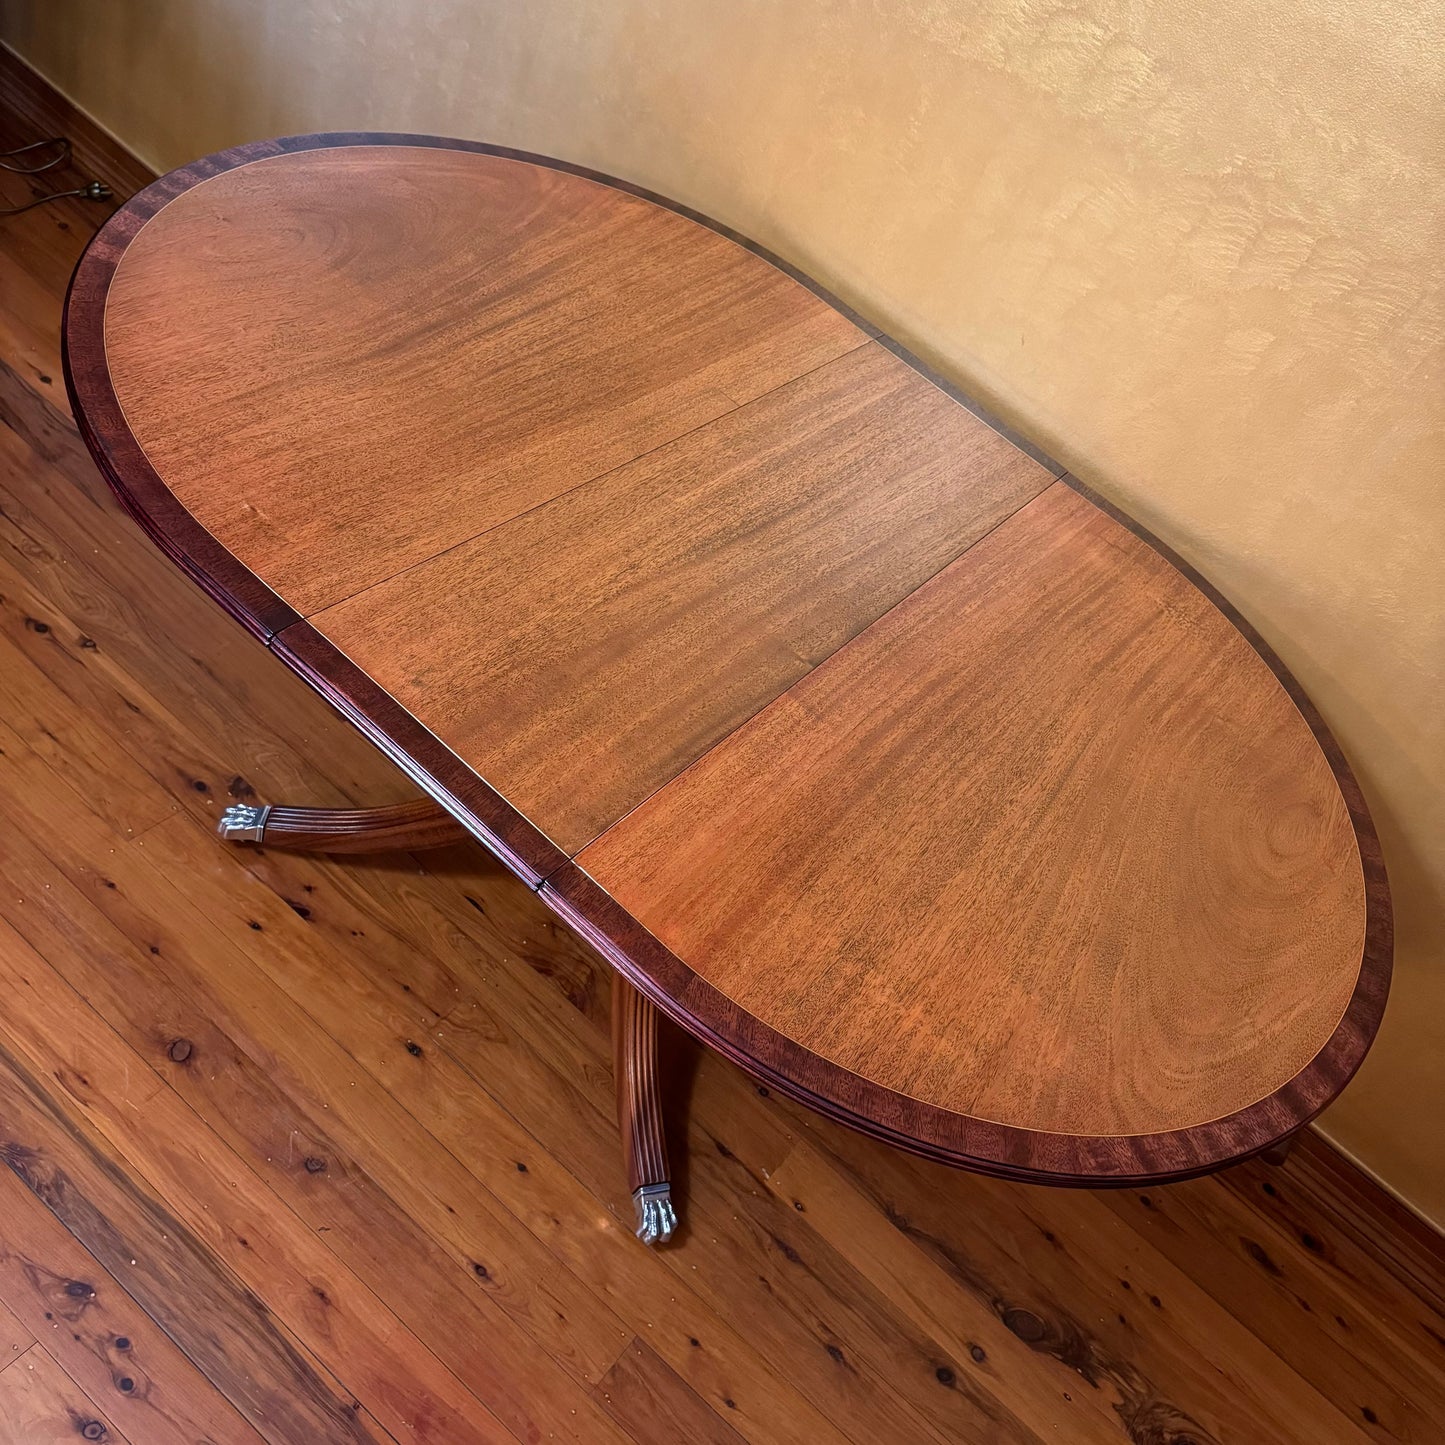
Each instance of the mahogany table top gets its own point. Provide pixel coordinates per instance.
(876, 752)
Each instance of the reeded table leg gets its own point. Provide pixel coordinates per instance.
(425, 824)
(400, 828)
(1278, 1153)
(639, 1111)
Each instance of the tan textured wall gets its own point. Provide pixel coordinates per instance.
(1193, 249)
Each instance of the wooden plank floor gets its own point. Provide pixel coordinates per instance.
(307, 1151)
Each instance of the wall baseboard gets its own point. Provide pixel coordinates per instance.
(1401, 1239)
(39, 106)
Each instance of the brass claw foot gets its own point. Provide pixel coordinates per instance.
(243, 823)
(656, 1217)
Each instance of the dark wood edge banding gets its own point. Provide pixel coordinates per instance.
(102, 423)
(999, 1149)
(420, 754)
(653, 969)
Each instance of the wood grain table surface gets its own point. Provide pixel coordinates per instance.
(874, 751)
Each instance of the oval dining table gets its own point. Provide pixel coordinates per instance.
(862, 742)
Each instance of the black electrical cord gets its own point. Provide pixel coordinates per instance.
(91, 191)
(57, 160)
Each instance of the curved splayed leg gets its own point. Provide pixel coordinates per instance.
(400, 828)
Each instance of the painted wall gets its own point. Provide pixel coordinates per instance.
(1193, 249)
